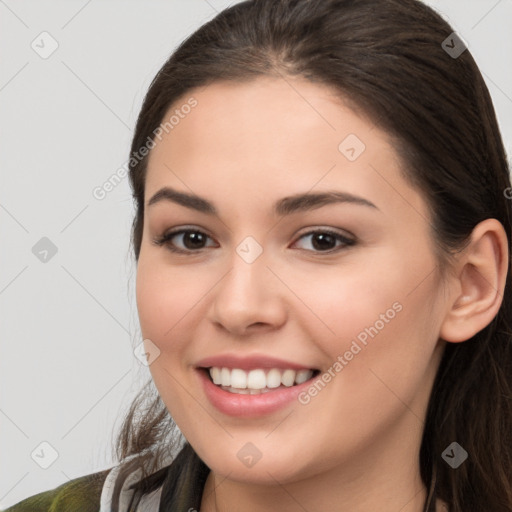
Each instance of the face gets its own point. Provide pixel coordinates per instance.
(276, 287)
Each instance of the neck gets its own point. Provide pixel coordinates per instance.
(221, 495)
(385, 479)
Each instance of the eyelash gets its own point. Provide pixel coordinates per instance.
(165, 239)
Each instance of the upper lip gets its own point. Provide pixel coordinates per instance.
(249, 362)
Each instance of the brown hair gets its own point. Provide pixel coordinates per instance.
(386, 57)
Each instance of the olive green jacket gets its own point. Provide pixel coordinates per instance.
(79, 495)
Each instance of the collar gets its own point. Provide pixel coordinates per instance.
(149, 502)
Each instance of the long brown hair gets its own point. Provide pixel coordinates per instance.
(387, 58)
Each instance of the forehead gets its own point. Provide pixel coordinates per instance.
(266, 113)
(273, 137)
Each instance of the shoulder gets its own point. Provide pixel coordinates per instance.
(82, 494)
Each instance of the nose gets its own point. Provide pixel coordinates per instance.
(249, 298)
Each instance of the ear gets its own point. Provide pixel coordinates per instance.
(479, 282)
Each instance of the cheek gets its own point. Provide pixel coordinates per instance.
(376, 313)
(164, 297)
(385, 336)
(340, 301)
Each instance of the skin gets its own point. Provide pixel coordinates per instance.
(354, 446)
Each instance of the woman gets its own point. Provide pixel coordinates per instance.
(322, 234)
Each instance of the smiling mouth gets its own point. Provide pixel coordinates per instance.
(258, 380)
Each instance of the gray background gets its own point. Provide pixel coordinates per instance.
(68, 326)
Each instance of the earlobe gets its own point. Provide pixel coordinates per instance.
(482, 270)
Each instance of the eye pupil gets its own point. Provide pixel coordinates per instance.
(196, 239)
(322, 238)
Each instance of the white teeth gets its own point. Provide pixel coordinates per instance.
(273, 378)
(258, 380)
(225, 377)
(303, 376)
(215, 374)
(238, 379)
(288, 378)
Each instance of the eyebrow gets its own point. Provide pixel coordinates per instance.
(285, 206)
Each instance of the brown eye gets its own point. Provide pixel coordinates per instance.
(193, 239)
(189, 240)
(325, 240)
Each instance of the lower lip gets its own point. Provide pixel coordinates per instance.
(249, 406)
